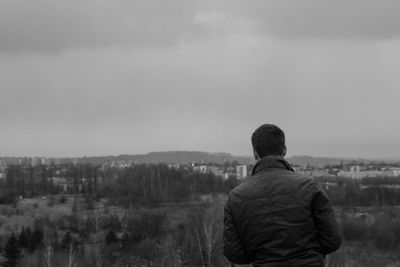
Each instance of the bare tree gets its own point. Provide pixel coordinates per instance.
(212, 230)
(207, 230)
(48, 255)
(72, 255)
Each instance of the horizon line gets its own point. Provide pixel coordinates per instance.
(198, 151)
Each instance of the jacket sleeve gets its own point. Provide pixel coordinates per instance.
(233, 247)
(328, 233)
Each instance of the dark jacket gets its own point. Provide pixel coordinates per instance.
(277, 217)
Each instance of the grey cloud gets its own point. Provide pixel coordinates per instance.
(53, 26)
(326, 20)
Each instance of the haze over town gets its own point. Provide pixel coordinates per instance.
(129, 77)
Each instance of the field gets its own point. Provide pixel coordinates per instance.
(156, 215)
(361, 226)
(163, 233)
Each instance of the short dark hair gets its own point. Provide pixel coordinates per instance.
(268, 139)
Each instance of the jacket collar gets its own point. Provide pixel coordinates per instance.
(271, 162)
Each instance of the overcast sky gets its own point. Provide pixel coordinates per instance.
(99, 77)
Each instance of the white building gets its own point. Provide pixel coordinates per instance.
(241, 171)
(201, 168)
(355, 168)
(385, 172)
(391, 171)
(208, 169)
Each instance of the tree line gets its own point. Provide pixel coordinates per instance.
(151, 183)
(157, 183)
(362, 192)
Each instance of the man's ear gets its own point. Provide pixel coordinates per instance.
(256, 154)
(284, 152)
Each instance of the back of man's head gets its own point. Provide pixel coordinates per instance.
(267, 140)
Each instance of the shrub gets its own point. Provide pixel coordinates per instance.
(111, 237)
(50, 202)
(354, 229)
(19, 211)
(12, 252)
(69, 222)
(385, 234)
(62, 199)
(44, 220)
(111, 222)
(147, 249)
(149, 224)
(6, 211)
(7, 200)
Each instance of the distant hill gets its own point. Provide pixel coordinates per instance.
(180, 157)
(323, 161)
(316, 161)
(184, 157)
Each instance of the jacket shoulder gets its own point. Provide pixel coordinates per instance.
(271, 183)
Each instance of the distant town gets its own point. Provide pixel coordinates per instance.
(219, 164)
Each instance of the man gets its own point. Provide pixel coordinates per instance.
(277, 217)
